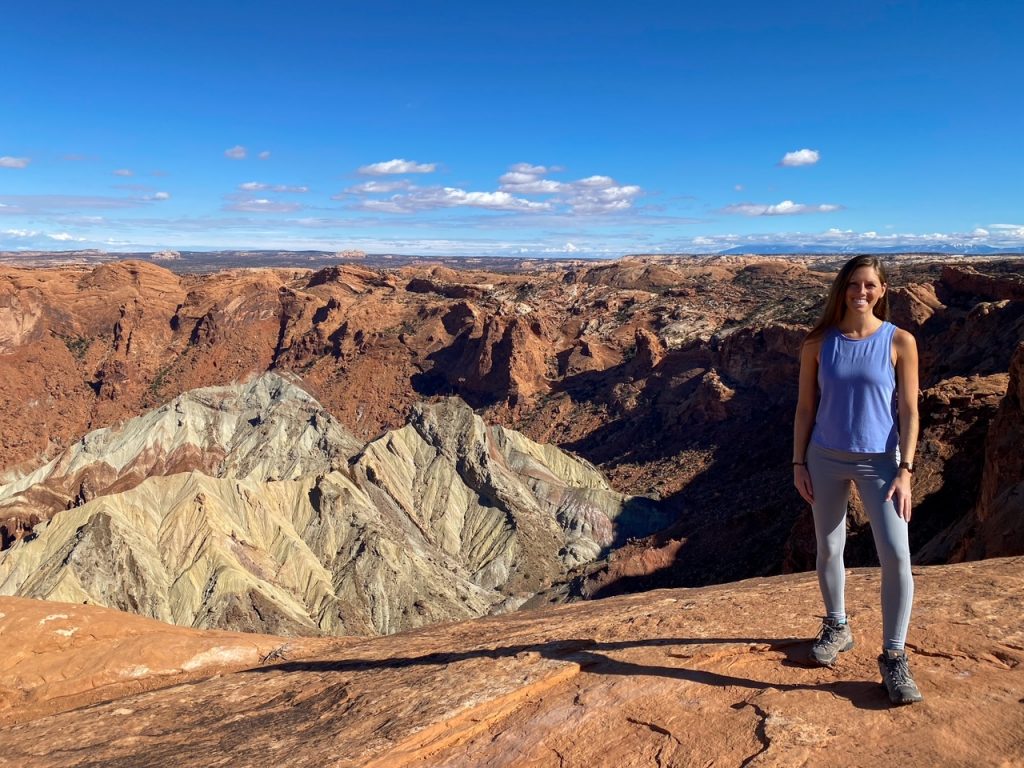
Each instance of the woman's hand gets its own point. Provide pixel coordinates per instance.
(899, 492)
(802, 481)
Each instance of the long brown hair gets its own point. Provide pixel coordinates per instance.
(836, 304)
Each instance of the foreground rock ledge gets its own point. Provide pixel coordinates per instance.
(671, 678)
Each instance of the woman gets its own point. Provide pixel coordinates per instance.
(856, 419)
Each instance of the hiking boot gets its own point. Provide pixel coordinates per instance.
(896, 678)
(832, 640)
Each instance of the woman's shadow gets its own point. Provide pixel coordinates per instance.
(591, 656)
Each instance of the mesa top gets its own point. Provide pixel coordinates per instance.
(857, 381)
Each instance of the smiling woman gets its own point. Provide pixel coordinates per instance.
(853, 423)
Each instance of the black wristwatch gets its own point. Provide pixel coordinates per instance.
(907, 465)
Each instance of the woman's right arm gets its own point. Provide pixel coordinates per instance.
(803, 423)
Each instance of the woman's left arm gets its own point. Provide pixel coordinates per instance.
(905, 347)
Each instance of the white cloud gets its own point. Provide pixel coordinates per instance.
(262, 205)
(980, 232)
(161, 196)
(264, 155)
(591, 195)
(800, 157)
(237, 152)
(600, 194)
(596, 182)
(567, 248)
(20, 232)
(14, 162)
(432, 198)
(373, 187)
(64, 237)
(396, 166)
(785, 208)
(738, 187)
(124, 172)
(526, 179)
(532, 170)
(259, 186)
(595, 194)
(1008, 230)
(530, 187)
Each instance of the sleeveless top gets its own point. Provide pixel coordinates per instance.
(857, 411)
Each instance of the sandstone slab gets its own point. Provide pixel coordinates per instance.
(708, 676)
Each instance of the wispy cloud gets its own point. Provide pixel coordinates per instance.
(6, 161)
(64, 237)
(261, 205)
(259, 186)
(124, 172)
(800, 157)
(785, 208)
(43, 204)
(834, 240)
(237, 152)
(264, 155)
(1013, 230)
(396, 166)
(373, 187)
(159, 196)
(20, 233)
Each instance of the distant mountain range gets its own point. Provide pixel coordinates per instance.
(213, 261)
(966, 249)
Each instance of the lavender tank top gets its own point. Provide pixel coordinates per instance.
(857, 411)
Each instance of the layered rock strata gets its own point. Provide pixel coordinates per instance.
(281, 527)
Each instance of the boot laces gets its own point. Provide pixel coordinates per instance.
(898, 668)
(829, 631)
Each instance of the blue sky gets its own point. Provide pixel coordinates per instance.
(536, 128)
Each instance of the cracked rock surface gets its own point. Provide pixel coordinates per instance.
(708, 676)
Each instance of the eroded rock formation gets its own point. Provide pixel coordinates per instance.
(250, 508)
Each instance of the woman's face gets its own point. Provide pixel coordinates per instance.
(864, 290)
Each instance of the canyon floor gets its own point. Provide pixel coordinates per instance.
(683, 677)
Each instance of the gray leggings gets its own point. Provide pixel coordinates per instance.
(873, 473)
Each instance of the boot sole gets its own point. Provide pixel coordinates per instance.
(900, 701)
